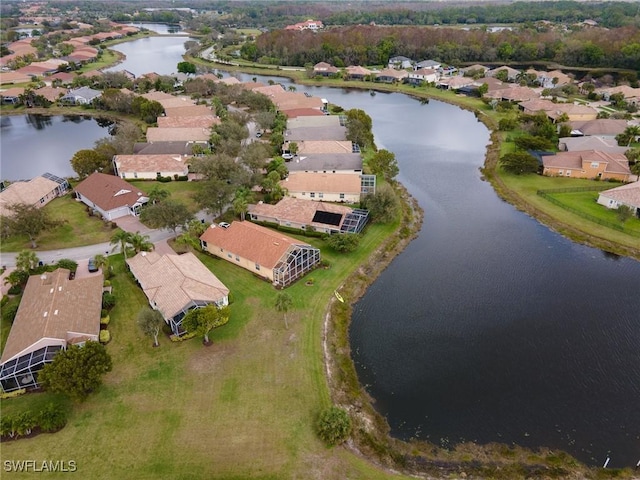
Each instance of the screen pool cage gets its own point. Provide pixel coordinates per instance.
(295, 263)
(22, 372)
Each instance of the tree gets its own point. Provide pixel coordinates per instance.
(203, 320)
(186, 67)
(168, 214)
(52, 417)
(384, 163)
(158, 194)
(140, 243)
(241, 200)
(28, 220)
(85, 162)
(384, 205)
(629, 135)
(150, 321)
(334, 425)
(624, 213)
(76, 371)
(214, 195)
(26, 260)
(283, 303)
(101, 262)
(519, 163)
(121, 239)
(343, 242)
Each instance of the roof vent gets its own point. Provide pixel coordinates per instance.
(59, 289)
(55, 312)
(144, 254)
(51, 291)
(45, 314)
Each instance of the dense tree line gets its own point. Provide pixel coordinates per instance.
(372, 45)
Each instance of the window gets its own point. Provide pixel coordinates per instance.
(568, 173)
(228, 255)
(135, 174)
(342, 196)
(221, 249)
(594, 164)
(560, 172)
(237, 258)
(158, 174)
(312, 195)
(257, 266)
(321, 195)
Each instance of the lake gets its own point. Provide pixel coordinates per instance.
(35, 144)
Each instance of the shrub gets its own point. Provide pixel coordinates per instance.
(105, 336)
(182, 178)
(105, 320)
(103, 313)
(334, 425)
(52, 418)
(68, 264)
(108, 300)
(10, 309)
(15, 393)
(15, 290)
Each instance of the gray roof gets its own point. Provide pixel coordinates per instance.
(322, 162)
(316, 133)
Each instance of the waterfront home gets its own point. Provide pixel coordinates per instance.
(110, 196)
(36, 192)
(324, 69)
(54, 312)
(512, 73)
(555, 111)
(591, 164)
(455, 83)
(175, 284)
(266, 253)
(11, 96)
(627, 195)
(400, 63)
(428, 64)
(356, 72)
(328, 187)
(308, 147)
(150, 167)
(600, 127)
(80, 96)
(310, 216)
(163, 148)
(391, 75)
(631, 95)
(572, 144)
(422, 75)
(326, 163)
(171, 134)
(192, 121)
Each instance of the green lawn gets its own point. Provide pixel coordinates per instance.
(242, 408)
(77, 229)
(180, 191)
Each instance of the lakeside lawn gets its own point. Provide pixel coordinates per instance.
(180, 191)
(164, 412)
(78, 228)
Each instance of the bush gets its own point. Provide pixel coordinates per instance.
(68, 264)
(105, 336)
(108, 300)
(334, 425)
(164, 179)
(15, 290)
(103, 313)
(182, 178)
(15, 393)
(10, 309)
(105, 320)
(52, 418)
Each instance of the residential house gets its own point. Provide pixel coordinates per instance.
(428, 64)
(266, 253)
(150, 167)
(163, 148)
(312, 25)
(631, 95)
(13, 77)
(176, 284)
(326, 163)
(36, 192)
(310, 147)
(80, 96)
(328, 187)
(11, 96)
(601, 127)
(400, 63)
(572, 144)
(391, 75)
(627, 195)
(474, 69)
(196, 121)
(311, 216)
(573, 112)
(455, 83)
(356, 72)
(110, 196)
(587, 164)
(423, 75)
(512, 73)
(54, 312)
(324, 69)
(171, 134)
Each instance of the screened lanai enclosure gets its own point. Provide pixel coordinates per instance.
(296, 262)
(22, 372)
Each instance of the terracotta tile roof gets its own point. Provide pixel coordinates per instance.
(51, 93)
(323, 182)
(253, 242)
(615, 162)
(302, 112)
(628, 194)
(335, 133)
(600, 126)
(29, 192)
(188, 111)
(392, 73)
(12, 92)
(173, 282)
(108, 191)
(176, 102)
(313, 121)
(152, 163)
(591, 143)
(202, 121)
(157, 96)
(357, 70)
(299, 211)
(160, 134)
(54, 307)
(14, 77)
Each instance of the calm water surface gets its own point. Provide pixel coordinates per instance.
(31, 145)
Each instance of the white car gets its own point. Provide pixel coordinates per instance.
(224, 225)
(287, 156)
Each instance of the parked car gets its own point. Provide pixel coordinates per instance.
(224, 224)
(287, 156)
(258, 134)
(92, 265)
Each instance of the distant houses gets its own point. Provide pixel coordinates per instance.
(36, 192)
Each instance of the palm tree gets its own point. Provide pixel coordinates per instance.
(26, 260)
(283, 304)
(101, 262)
(632, 131)
(157, 194)
(121, 239)
(140, 243)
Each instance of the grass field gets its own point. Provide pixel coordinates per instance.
(242, 408)
(180, 191)
(77, 229)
